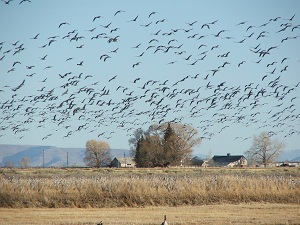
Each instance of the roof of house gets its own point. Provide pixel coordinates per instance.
(197, 160)
(226, 159)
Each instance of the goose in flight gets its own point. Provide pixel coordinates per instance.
(36, 36)
(152, 13)
(119, 11)
(64, 23)
(96, 17)
(24, 1)
(133, 20)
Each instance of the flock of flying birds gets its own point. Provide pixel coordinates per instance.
(82, 93)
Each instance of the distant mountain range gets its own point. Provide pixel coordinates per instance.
(291, 156)
(50, 156)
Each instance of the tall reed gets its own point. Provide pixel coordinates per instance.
(134, 190)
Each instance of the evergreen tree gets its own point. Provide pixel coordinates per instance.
(138, 153)
(169, 132)
(169, 145)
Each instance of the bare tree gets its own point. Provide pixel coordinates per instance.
(24, 162)
(265, 150)
(133, 142)
(97, 153)
(9, 164)
(187, 139)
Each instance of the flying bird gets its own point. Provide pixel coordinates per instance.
(63, 23)
(136, 64)
(24, 1)
(112, 78)
(17, 62)
(133, 20)
(152, 13)
(119, 11)
(96, 17)
(19, 86)
(36, 36)
(80, 64)
(106, 26)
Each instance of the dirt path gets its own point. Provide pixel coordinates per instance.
(192, 215)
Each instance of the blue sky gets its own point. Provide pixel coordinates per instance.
(228, 68)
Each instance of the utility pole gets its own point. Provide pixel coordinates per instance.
(125, 159)
(67, 159)
(43, 158)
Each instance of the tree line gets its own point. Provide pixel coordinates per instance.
(172, 144)
(159, 146)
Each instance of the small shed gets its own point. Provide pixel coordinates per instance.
(228, 161)
(123, 162)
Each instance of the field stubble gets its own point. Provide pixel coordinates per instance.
(252, 213)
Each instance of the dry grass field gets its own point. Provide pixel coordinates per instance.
(221, 214)
(83, 188)
(143, 196)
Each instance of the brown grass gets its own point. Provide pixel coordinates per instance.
(84, 188)
(254, 213)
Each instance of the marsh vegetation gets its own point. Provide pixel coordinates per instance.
(86, 187)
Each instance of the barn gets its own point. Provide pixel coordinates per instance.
(228, 161)
(123, 162)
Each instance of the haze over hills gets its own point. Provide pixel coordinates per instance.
(56, 157)
(53, 156)
(292, 156)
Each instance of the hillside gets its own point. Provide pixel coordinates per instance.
(53, 156)
(297, 159)
(292, 155)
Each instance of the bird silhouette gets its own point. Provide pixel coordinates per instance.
(36, 36)
(96, 17)
(80, 64)
(136, 64)
(63, 23)
(22, 1)
(117, 12)
(133, 20)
